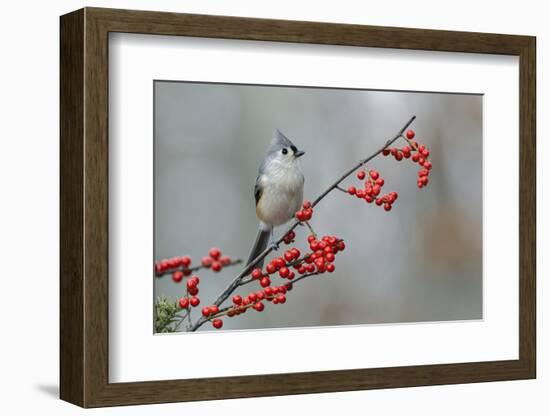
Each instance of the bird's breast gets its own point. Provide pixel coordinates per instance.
(282, 196)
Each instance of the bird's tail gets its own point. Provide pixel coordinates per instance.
(259, 245)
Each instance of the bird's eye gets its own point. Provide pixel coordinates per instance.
(285, 151)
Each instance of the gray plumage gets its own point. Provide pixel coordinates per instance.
(278, 190)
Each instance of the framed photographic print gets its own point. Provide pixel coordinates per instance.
(335, 207)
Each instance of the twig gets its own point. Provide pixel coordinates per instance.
(237, 280)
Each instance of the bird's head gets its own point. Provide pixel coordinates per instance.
(282, 151)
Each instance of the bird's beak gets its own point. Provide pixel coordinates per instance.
(299, 153)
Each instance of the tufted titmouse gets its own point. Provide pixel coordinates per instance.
(279, 190)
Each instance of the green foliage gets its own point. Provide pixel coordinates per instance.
(165, 314)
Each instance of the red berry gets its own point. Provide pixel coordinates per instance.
(399, 156)
(428, 165)
(216, 266)
(194, 301)
(270, 268)
(341, 245)
(184, 303)
(265, 282)
(259, 306)
(410, 134)
(291, 275)
(387, 206)
(237, 299)
(376, 190)
(295, 252)
(206, 261)
(260, 295)
(191, 283)
(330, 257)
(380, 182)
(205, 311)
(281, 298)
(278, 262)
(185, 261)
(330, 267)
(351, 190)
(374, 174)
(215, 253)
(193, 291)
(214, 309)
(415, 157)
(177, 276)
(257, 274)
(386, 152)
(421, 160)
(288, 255)
(284, 272)
(217, 323)
(225, 260)
(310, 238)
(164, 264)
(361, 175)
(268, 291)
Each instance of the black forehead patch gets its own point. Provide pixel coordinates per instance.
(294, 149)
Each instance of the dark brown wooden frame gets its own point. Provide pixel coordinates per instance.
(84, 210)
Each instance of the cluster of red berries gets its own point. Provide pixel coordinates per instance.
(319, 260)
(215, 260)
(181, 266)
(305, 213)
(417, 153)
(254, 300)
(371, 191)
(191, 298)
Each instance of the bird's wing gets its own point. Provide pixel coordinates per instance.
(258, 189)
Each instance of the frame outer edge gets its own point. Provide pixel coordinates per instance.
(84, 204)
(71, 318)
(528, 208)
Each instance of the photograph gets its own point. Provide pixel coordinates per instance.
(297, 207)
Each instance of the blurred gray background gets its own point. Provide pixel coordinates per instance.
(420, 262)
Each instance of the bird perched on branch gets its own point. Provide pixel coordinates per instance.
(279, 190)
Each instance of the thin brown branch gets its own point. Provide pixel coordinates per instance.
(237, 280)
